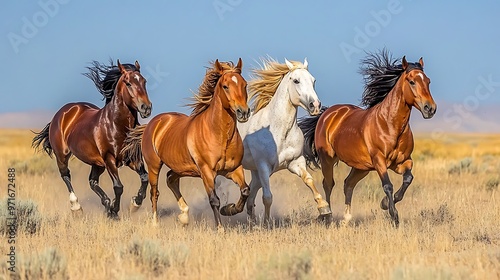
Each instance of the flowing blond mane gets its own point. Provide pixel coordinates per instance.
(266, 80)
(201, 100)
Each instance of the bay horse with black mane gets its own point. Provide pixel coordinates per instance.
(204, 144)
(96, 136)
(376, 138)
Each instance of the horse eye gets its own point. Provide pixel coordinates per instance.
(296, 81)
(128, 84)
(225, 87)
(412, 83)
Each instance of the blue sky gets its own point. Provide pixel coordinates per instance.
(46, 45)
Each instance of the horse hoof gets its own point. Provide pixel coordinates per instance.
(229, 210)
(77, 212)
(220, 229)
(326, 219)
(113, 216)
(396, 224)
(183, 218)
(384, 204)
(325, 210)
(133, 206)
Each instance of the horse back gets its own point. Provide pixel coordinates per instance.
(71, 130)
(165, 141)
(341, 133)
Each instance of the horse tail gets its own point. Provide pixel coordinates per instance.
(308, 126)
(132, 150)
(42, 138)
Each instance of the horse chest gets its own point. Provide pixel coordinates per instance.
(398, 155)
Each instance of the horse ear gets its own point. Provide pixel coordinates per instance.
(421, 61)
(404, 63)
(137, 65)
(120, 66)
(217, 65)
(305, 63)
(288, 64)
(240, 64)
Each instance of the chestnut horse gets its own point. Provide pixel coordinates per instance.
(376, 138)
(204, 144)
(96, 136)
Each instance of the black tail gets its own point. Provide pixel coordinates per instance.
(308, 126)
(42, 138)
(132, 150)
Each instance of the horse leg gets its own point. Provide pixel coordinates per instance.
(267, 196)
(173, 185)
(350, 182)
(208, 177)
(153, 181)
(95, 173)
(117, 186)
(327, 164)
(298, 167)
(405, 170)
(380, 166)
(254, 188)
(237, 176)
(136, 201)
(62, 164)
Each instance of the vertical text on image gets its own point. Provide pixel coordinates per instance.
(11, 219)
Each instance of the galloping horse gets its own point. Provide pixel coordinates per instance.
(204, 144)
(96, 136)
(271, 137)
(377, 138)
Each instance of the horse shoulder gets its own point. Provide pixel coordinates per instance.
(405, 144)
(291, 146)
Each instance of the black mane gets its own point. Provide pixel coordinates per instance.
(105, 77)
(380, 73)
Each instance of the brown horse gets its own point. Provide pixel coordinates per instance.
(96, 136)
(204, 144)
(377, 138)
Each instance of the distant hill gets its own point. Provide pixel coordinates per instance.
(32, 120)
(450, 117)
(453, 117)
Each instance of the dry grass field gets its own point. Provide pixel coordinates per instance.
(450, 224)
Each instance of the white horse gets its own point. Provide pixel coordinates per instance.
(271, 137)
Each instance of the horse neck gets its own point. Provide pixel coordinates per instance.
(394, 110)
(222, 121)
(120, 113)
(284, 112)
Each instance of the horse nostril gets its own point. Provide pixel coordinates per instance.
(311, 105)
(427, 108)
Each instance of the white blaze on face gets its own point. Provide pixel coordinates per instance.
(421, 76)
(136, 77)
(234, 80)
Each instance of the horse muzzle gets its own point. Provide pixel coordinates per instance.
(145, 110)
(314, 107)
(428, 110)
(242, 115)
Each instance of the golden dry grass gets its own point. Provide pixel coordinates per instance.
(450, 224)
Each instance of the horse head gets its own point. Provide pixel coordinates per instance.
(132, 85)
(234, 89)
(301, 87)
(416, 88)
